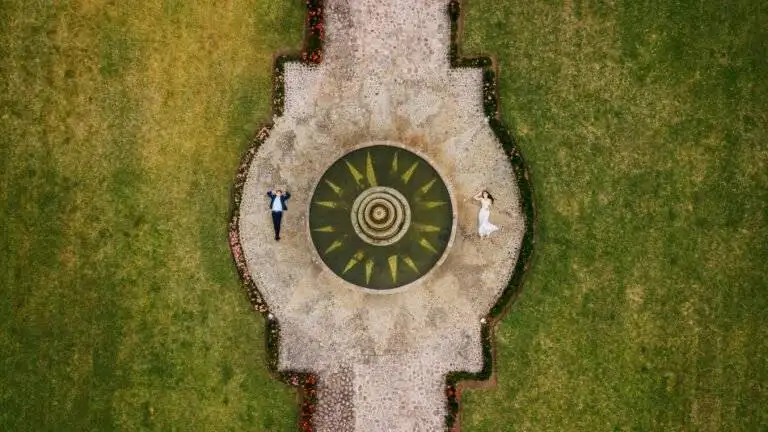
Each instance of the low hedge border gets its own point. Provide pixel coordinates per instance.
(306, 382)
(312, 54)
(522, 176)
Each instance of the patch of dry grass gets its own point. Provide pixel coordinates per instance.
(123, 124)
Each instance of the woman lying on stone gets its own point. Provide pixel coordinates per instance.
(484, 226)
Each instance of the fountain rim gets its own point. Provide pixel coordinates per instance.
(448, 246)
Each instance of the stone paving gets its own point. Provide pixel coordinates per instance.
(381, 358)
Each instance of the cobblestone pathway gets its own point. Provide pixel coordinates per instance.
(381, 358)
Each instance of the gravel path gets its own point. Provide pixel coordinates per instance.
(381, 358)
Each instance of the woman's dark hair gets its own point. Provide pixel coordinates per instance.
(490, 197)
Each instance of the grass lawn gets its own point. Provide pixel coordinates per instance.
(122, 126)
(645, 128)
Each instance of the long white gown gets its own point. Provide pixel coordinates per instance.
(484, 226)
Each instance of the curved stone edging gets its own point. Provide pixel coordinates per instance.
(306, 382)
(312, 54)
(522, 174)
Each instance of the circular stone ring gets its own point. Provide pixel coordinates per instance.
(380, 215)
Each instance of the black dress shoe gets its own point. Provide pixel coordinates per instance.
(277, 238)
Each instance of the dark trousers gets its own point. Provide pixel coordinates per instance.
(277, 217)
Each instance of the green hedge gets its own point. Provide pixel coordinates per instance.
(522, 176)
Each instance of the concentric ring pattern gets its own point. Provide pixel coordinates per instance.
(380, 217)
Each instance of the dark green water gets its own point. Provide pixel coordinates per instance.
(373, 266)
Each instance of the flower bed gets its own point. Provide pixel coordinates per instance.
(315, 33)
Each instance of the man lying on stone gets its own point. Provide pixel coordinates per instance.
(277, 204)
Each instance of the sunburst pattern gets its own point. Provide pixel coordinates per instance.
(381, 217)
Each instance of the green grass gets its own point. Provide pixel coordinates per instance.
(122, 126)
(645, 129)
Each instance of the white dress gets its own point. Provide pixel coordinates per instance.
(484, 227)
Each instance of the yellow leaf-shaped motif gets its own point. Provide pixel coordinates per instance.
(425, 228)
(368, 271)
(325, 229)
(407, 175)
(409, 262)
(369, 170)
(434, 204)
(424, 189)
(335, 245)
(336, 189)
(392, 260)
(394, 163)
(355, 173)
(351, 263)
(427, 245)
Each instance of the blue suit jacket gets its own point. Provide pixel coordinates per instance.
(283, 199)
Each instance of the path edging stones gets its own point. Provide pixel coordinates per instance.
(312, 54)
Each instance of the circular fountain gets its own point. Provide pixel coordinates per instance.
(381, 217)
